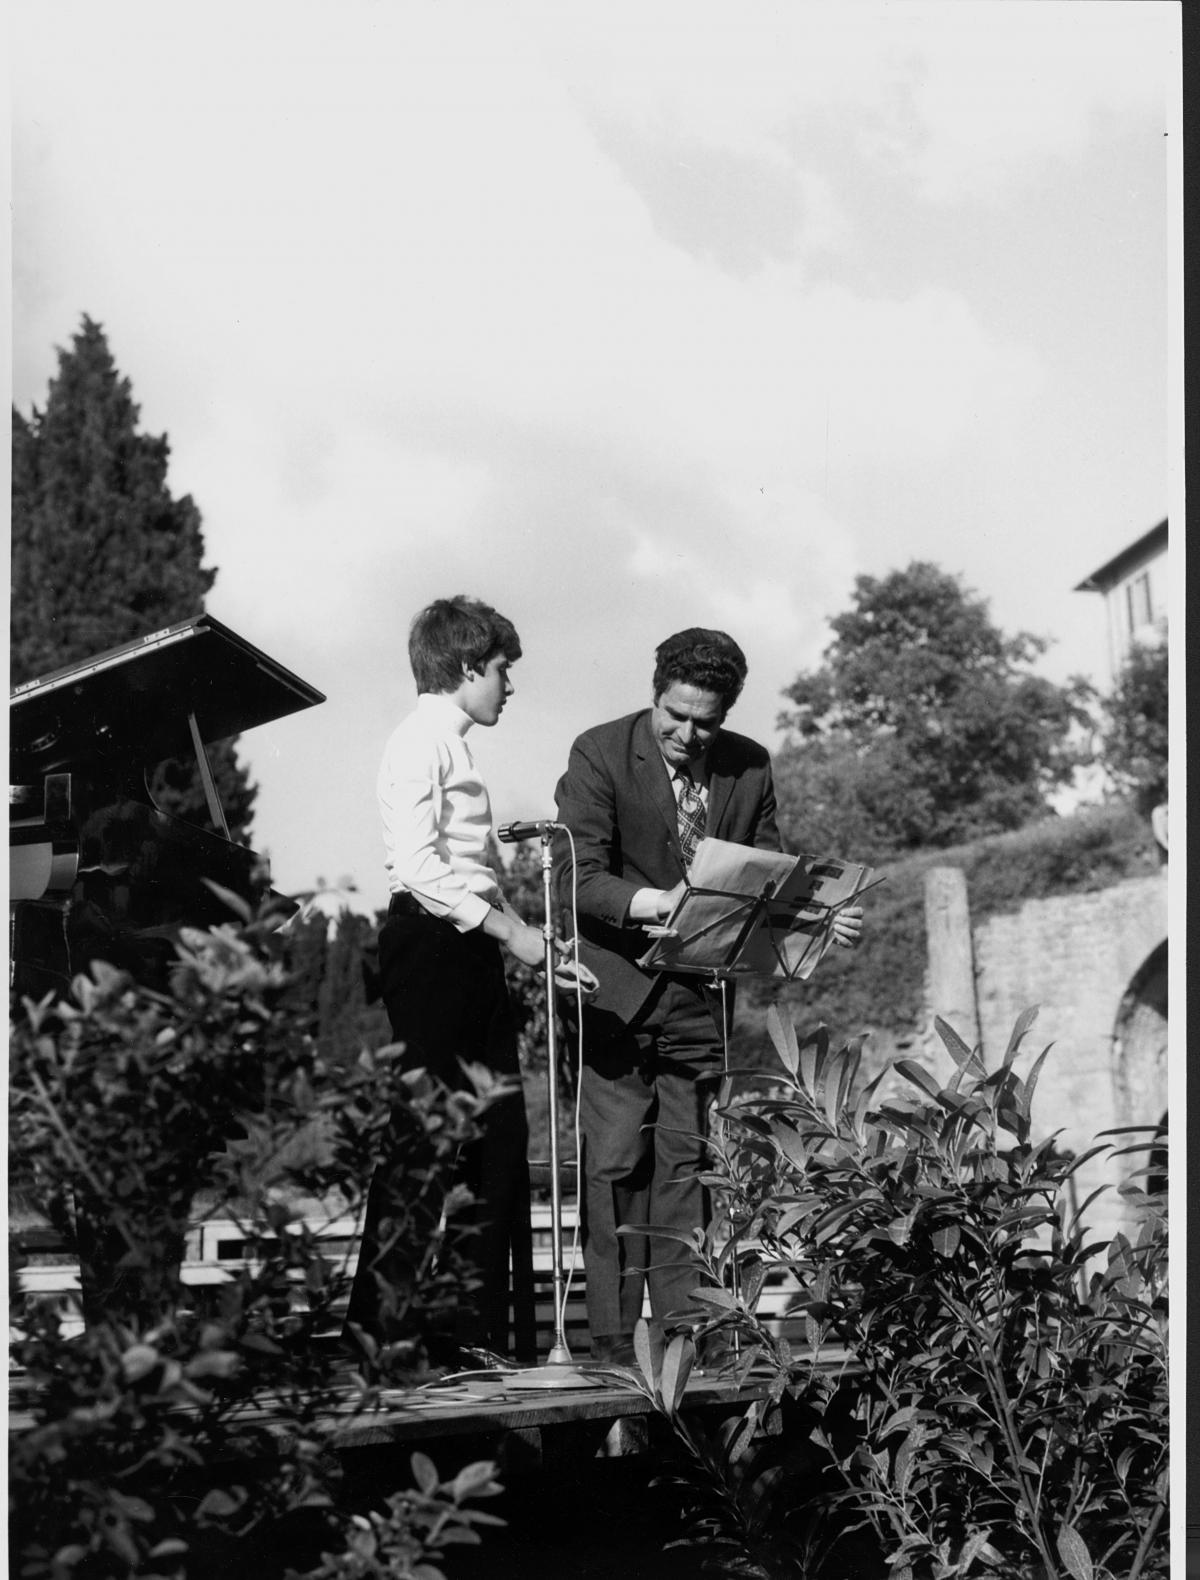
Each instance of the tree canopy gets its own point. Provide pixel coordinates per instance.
(102, 553)
(923, 727)
(1135, 738)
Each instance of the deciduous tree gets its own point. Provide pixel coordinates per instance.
(924, 726)
(1135, 739)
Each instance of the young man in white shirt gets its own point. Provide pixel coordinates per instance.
(441, 963)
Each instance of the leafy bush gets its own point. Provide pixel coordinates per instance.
(1006, 1412)
(187, 1431)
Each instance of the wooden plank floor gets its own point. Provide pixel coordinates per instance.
(494, 1403)
(490, 1409)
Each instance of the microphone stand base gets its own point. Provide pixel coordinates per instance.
(557, 1371)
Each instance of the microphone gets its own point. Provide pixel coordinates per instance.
(509, 833)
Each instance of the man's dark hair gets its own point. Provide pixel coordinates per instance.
(453, 634)
(710, 660)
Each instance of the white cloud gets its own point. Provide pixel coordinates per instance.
(995, 99)
(965, 98)
(396, 280)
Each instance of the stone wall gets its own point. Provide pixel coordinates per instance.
(1095, 964)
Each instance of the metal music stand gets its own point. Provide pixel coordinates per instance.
(779, 927)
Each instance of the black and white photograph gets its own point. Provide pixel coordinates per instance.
(591, 596)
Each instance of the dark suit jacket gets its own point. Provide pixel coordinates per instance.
(616, 798)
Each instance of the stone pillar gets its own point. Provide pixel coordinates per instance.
(951, 960)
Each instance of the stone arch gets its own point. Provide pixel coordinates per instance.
(1140, 1050)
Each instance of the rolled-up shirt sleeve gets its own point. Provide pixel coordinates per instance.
(435, 816)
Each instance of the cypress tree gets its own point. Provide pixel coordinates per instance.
(101, 552)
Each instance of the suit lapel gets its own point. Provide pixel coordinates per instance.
(655, 780)
(720, 785)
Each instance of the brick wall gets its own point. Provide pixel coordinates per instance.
(1077, 956)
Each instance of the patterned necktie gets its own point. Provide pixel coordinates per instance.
(692, 813)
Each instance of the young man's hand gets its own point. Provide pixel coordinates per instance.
(526, 943)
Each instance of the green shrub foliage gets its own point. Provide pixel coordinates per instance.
(186, 1431)
(1004, 1405)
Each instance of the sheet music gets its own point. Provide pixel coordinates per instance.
(752, 912)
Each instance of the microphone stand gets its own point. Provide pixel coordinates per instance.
(558, 1370)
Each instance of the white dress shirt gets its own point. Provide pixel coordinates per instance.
(436, 815)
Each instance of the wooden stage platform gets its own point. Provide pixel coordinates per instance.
(508, 1416)
(600, 1408)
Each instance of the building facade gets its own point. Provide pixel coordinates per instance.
(1134, 587)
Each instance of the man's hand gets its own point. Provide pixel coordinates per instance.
(567, 977)
(847, 927)
(661, 903)
(671, 898)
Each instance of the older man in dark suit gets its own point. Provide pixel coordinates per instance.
(637, 796)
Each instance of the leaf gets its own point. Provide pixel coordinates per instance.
(742, 1437)
(946, 1241)
(217, 1505)
(227, 897)
(138, 1360)
(1023, 1022)
(919, 1076)
(692, 1238)
(424, 1473)
(717, 1297)
(900, 1229)
(213, 1363)
(1031, 1080)
(902, 1417)
(958, 1050)
(473, 1479)
(133, 1508)
(812, 1058)
(677, 1368)
(1072, 1549)
(783, 1034)
(972, 1548)
(789, 1219)
(648, 1351)
(831, 1219)
(791, 1144)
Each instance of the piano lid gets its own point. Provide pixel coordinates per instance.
(133, 701)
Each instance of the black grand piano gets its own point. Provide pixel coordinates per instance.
(96, 869)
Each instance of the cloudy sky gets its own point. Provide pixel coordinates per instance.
(623, 317)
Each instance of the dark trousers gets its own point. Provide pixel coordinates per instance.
(447, 1001)
(644, 1096)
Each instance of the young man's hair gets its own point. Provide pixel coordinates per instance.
(455, 634)
(709, 660)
